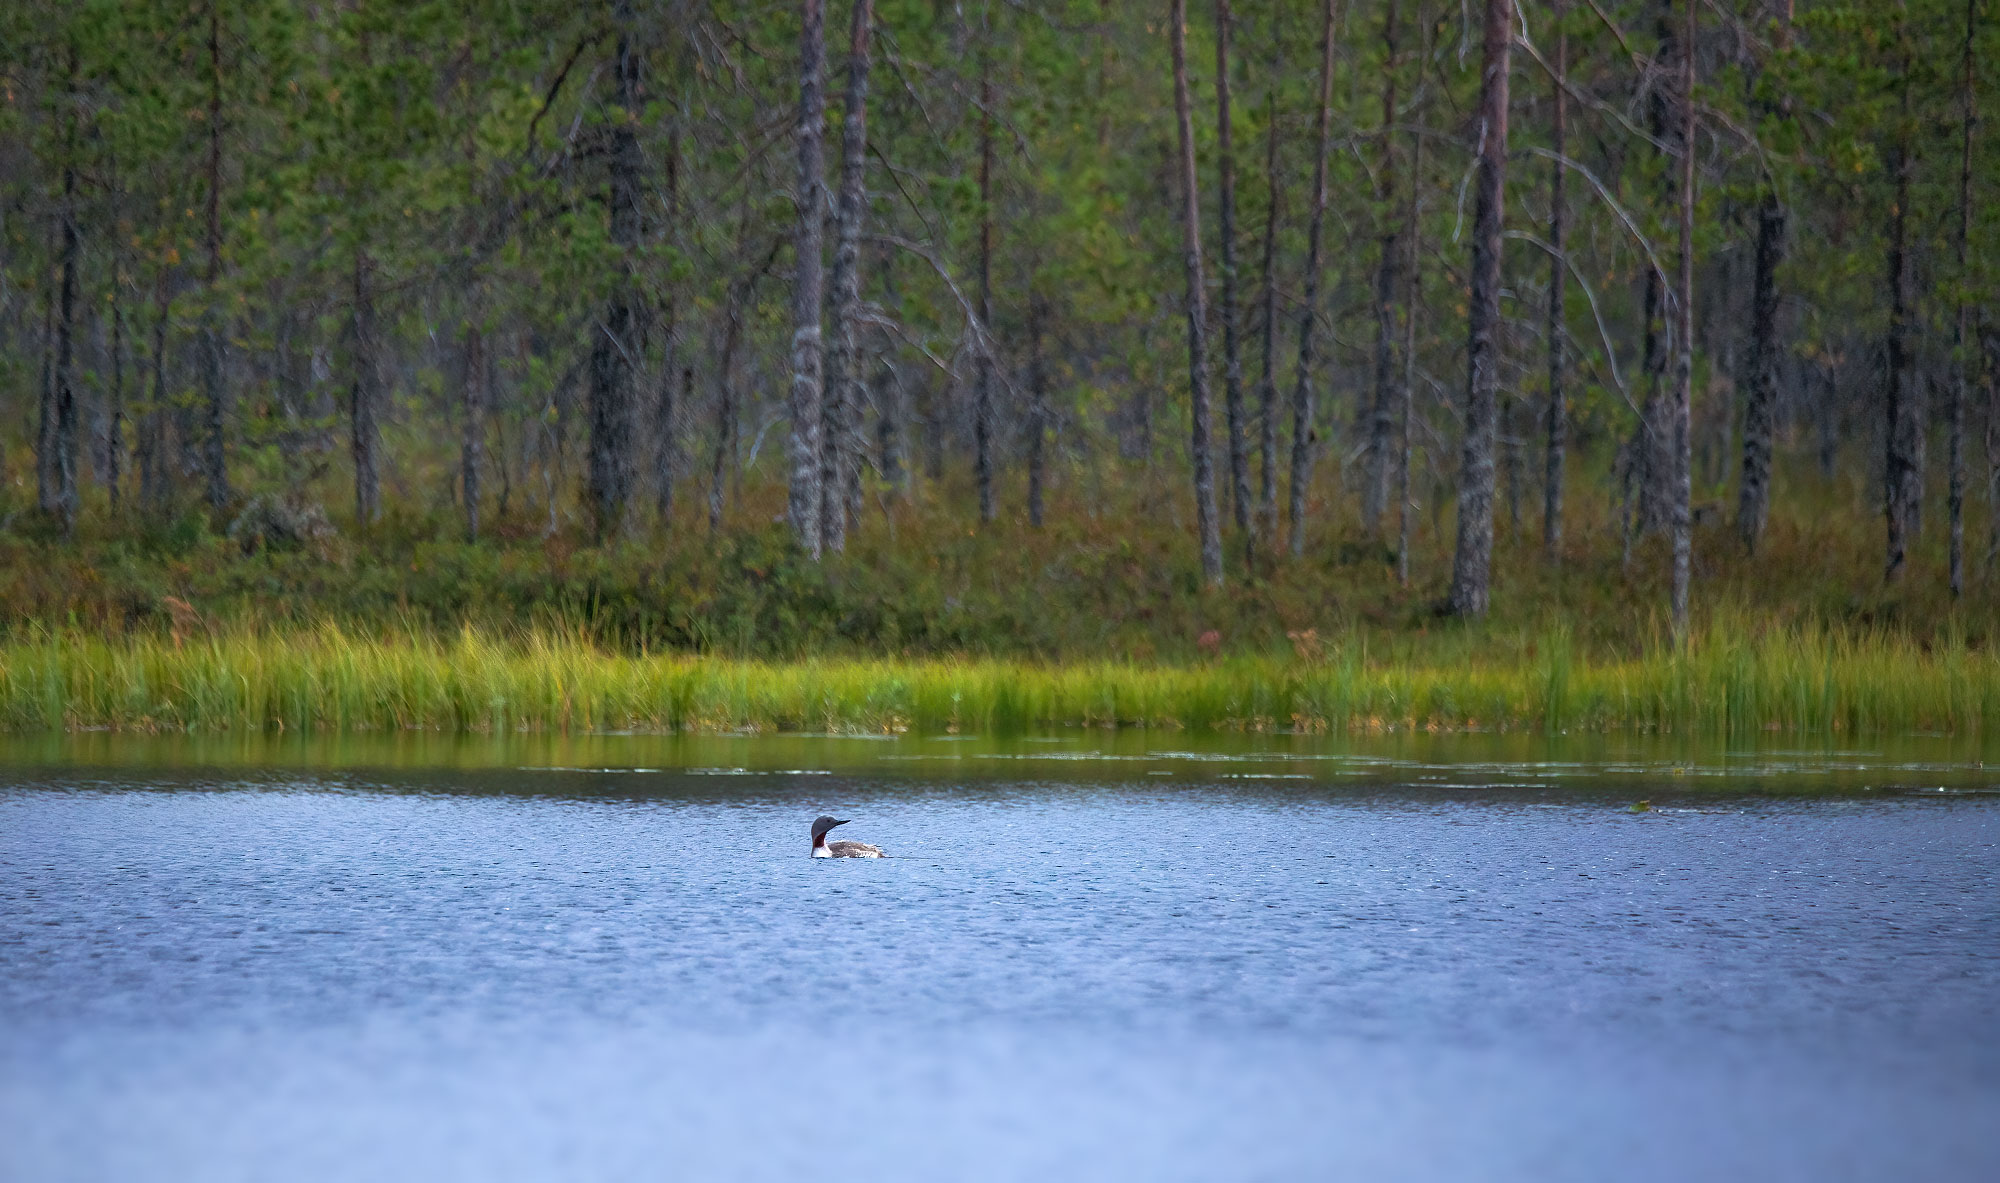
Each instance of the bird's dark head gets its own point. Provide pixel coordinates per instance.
(822, 824)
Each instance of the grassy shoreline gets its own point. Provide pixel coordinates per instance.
(1729, 682)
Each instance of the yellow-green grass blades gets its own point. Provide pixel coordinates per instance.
(1731, 680)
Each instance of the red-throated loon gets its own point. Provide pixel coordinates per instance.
(824, 849)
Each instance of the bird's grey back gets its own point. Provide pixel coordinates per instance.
(854, 850)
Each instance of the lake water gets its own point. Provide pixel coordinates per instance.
(1090, 956)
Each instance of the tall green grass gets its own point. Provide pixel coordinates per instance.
(1731, 681)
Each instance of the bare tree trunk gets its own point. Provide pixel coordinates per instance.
(1558, 415)
(1232, 352)
(48, 479)
(1302, 437)
(1472, 564)
(1382, 421)
(1406, 396)
(1038, 408)
(616, 343)
(472, 449)
(1753, 504)
(1990, 367)
(114, 471)
(1653, 444)
(1684, 347)
(1206, 526)
(1960, 337)
(214, 457)
(666, 414)
(806, 399)
(982, 412)
(364, 435)
(152, 425)
(1267, 386)
(840, 427)
(1902, 479)
(65, 387)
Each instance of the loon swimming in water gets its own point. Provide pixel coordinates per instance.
(824, 849)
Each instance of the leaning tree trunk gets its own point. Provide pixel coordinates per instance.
(364, 436)
(1558, 414)
(1302, 410)
(1902, 479)
(840, 426)
(1206, 526)
(615, 346)
(803, 507)
(1382, 420)
(214, 457)
(982, 410)
(1472, 564)
(1960, 328)
(1232, 353)
(1684, 348)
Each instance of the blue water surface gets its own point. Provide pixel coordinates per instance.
(548, 974)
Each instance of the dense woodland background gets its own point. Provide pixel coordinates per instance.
(778, 327)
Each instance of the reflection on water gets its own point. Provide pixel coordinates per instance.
(1779, 763)
(1434, 960)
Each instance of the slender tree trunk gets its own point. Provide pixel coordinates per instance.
(1206, 525)
(65, 386)
(48, 479)
(1960, 337)
(1902, 478)
(1382, 421)
(1267, 386)
(1232, 351)
(806, 398)
(1653, 445)
(1472, 564)
(365, 436)
(616, 343)
(214, 456)
(472, 449)
(1302, 435)
(1753, 505)
(666, 413)
(1038, 408)
(1990, 368)
(114, 470)
(1406, 396)
(153, 424)
(840, 428)
(1684, 347)
(982, 412)
(1558, 414)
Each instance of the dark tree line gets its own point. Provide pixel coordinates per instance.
(562, 261)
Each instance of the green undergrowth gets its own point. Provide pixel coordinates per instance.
(1726, 682)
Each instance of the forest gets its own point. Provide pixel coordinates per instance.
(1038, 328)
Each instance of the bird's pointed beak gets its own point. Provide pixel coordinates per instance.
(841, 822)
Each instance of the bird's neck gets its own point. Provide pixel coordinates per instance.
(819, 848)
